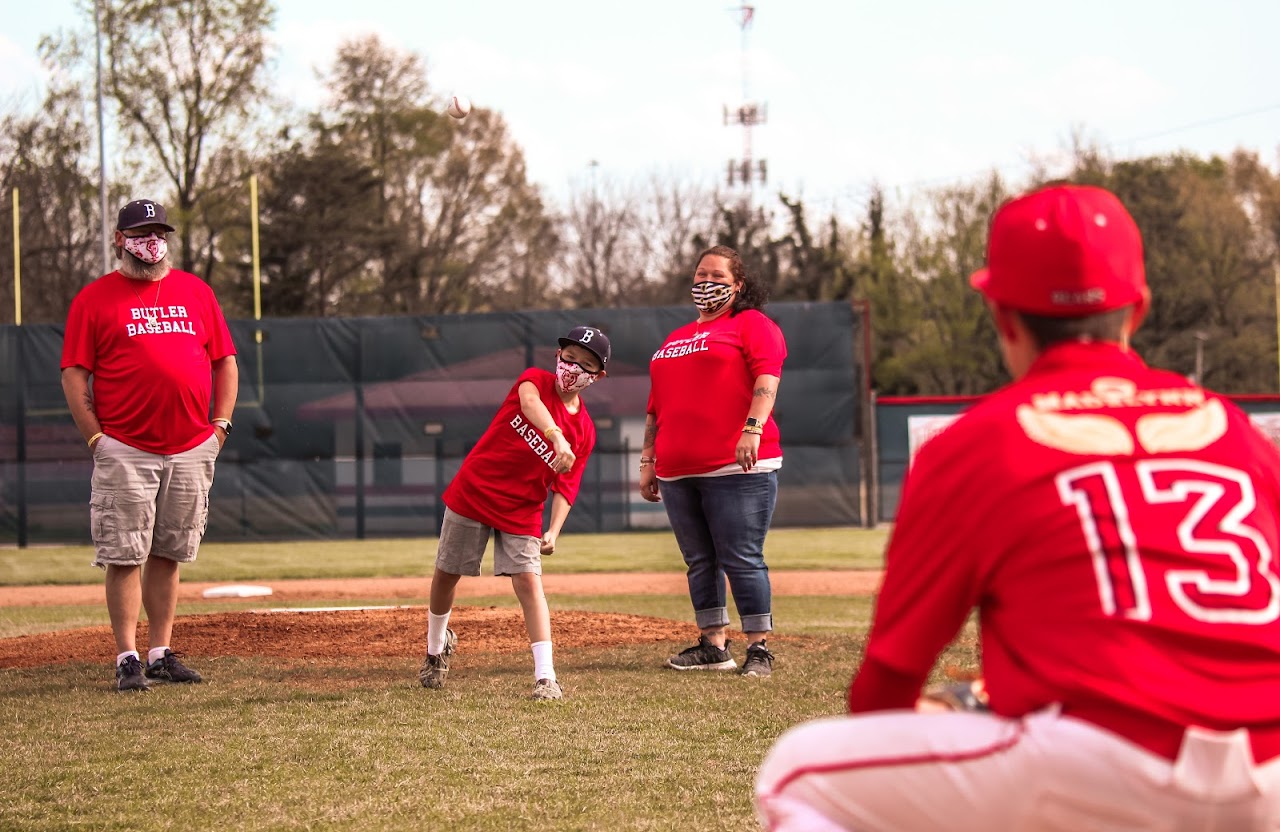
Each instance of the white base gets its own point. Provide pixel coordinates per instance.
(236, 591)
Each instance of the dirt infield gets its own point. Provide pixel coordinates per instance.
(399, 630)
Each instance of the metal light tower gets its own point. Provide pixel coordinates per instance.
(746, 171)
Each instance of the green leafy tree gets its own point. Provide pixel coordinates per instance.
(319, 234)
(894, 299)
(813, 267)
(955, 350)
(1208, 265)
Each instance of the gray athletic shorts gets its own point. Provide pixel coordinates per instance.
(463, 541)
(144, 504)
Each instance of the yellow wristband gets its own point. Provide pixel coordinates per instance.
(95, 438)
(553, 429)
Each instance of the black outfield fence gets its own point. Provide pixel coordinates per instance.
(352, 427)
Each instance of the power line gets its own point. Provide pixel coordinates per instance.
(1206, 123)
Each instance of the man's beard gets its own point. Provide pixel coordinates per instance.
(131, 266)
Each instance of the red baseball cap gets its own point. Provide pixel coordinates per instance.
(1063, 251)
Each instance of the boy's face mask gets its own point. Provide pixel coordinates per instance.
(570, 377)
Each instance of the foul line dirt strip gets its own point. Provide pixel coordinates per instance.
(843, 582)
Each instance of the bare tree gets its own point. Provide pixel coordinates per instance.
(44, 156)
(469, 232)
(603, 258)
(634, 245)
(186, 77)
(675, 222)
(481, 221)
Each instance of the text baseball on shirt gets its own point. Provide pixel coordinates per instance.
(160, 319)
(535, 439)
(684, 346)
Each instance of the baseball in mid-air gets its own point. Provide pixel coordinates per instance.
(459, 106)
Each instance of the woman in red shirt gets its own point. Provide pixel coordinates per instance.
(711, 455)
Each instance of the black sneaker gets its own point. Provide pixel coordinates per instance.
(435, 668)
(129, 675)
(703, 656)
(167, 668)
(759, 660)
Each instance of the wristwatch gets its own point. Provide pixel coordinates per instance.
(226, 425)
(753, 422)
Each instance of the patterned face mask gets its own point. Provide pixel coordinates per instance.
(571, 378)
(710, 296)
(150, 249)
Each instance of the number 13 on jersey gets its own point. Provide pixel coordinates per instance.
(1182, 523)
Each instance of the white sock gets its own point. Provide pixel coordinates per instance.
(155, 654)
(126, 654)
(436, 625)
(542, 665)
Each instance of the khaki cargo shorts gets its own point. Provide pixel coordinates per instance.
(463, 541)
(144, 504)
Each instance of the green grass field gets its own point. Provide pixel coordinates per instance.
(826, 548)
(355, 743)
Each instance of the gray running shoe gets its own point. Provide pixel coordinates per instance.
(168, 669)
(759, 660)
(435, 668)
(129, 675)
(547, 689)
(703, 656)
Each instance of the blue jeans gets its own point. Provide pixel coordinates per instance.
(720, 524)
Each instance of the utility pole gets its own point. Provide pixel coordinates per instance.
(1201, 336)
(746, 171)
(102, 144)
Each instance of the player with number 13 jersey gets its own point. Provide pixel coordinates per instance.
(1115, 527)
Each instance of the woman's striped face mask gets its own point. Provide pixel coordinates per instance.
(710, 296)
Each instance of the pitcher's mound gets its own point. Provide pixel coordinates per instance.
(326, 634)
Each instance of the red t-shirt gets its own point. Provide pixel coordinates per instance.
(152, 383)
(700, 388)
(1115, 526)
(504, 480)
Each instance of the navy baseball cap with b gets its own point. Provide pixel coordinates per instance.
(142, 212)
(1063, 251)
(591, 338)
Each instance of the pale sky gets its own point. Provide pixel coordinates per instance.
(905, 94)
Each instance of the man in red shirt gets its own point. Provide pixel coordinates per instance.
(539, 440)
(157, 347)
(1116, 528)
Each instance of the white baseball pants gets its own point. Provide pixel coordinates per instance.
(905, 771)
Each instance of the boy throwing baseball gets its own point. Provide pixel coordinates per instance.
(538, 441)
